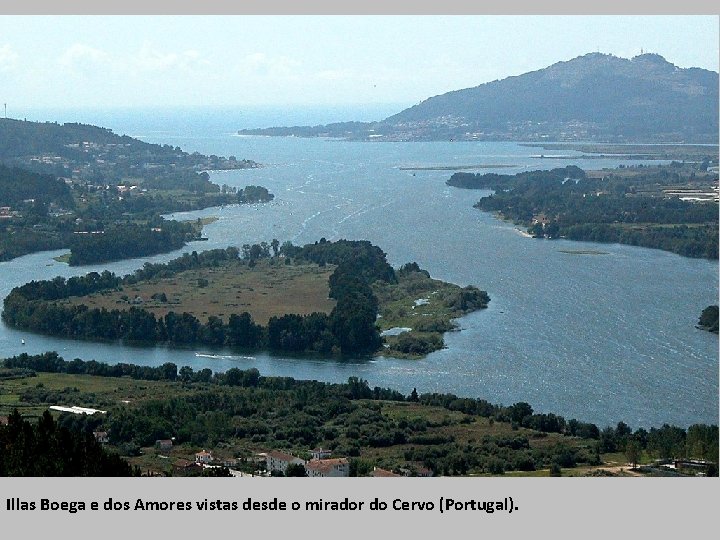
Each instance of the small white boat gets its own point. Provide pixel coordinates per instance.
(22, 342)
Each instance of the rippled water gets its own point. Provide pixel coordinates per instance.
(601, 338)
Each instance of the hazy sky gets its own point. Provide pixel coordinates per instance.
(244, 60)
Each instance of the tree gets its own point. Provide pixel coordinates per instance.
(632, 452)
(709, 319)
(414, 396)
(295, 470)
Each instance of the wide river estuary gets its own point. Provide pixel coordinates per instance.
(598, 337)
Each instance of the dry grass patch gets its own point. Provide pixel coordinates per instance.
(264, 291)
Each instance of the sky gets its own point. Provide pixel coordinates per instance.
(228, 61)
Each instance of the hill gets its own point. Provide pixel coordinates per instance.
(595, 97)
(89, 152)
(102, 194)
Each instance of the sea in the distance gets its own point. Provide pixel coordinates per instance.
(598, 337)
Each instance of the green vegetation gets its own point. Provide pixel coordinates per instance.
(130, 240)
(91, 152)
(239, 413)
(45, 448)
(265, 289)
(640, 206)
(594, 97)
(424, 305)
(709, 319)
(106, 223)
(64, 258)
(100, 194)
(323, 298)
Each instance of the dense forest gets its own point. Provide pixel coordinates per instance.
(45, 448)
(619, 209)
(19, 185)
(60, 179)
(206, 409)
(130, 240)
(101, 223)
(349, 329)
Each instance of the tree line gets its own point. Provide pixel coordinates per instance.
(282, 412)
(349, 329)
(45, 448)
(709, 319)
(125, 241)
(612, 209)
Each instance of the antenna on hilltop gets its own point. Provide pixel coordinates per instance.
(642, 51)
(6, 110)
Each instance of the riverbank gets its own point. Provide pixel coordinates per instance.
(422, 433)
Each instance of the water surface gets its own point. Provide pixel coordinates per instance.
(599, 337)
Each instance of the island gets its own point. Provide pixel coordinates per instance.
(331, 298)
(672, 207)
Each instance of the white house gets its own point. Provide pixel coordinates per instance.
(320, 453)
(203, 457)
(328, 468)
(279, 461)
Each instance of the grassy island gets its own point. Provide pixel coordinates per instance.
(416, 311)
(331, 298)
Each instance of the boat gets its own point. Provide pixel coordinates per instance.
(223, 356)
(22, 342)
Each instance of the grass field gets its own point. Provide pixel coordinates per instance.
(265, 290)
(82, 390)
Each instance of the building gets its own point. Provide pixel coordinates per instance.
(320, 453)
(377, 472)
(541, 218)
(697, 466)
(164, 444)
(101, 437)
(183, 466)
(278, 461)
(203, 458)
(328, 468)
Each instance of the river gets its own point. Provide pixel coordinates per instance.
(597, 337)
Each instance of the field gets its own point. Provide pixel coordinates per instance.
(442, 429)
(265, 290)
(81, 390)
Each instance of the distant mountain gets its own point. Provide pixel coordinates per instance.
(595, 97)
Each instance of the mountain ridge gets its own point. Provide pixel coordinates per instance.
(593, 97)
